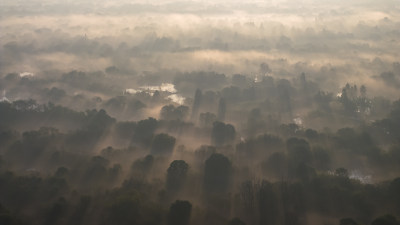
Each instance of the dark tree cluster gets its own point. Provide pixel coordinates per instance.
(236, 152)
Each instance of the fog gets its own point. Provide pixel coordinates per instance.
(200, 112)
(356, 39)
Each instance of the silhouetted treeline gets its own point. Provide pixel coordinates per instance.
(275, 151)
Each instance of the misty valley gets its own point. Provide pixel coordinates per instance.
(199, 112)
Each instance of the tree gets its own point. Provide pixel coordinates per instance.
(124, 211)
(176, 175)
(221, 109)
(322, 159)
(207, 119)
(98, 121)
(264, 69)
(56, 94)
(96, 170)
(386, 220)
(61, 172)
(144, 132)
(267, 204)
(217, 173)
(304, 172)
(222, 133)
(298, 151)
(260, 146)
(163, 144)
(114, 172)
(395, 190)
(341, 172)
(348, 221)
(80, 211)
(285, 91)
(236, 221)
(143, 166)
(275, 165)
(349, 93)
(6, 218)
(239, 80)
(323, 100)
(231, 94)
(57, 211)
(203, 153)
(196, 103)
(363, 91)
(170, 112)
(255, 122)
(179, 213)
(247, 195)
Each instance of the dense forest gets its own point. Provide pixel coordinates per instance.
(194, 112)
(235, 152)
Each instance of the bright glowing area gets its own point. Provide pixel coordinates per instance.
(26, 74)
